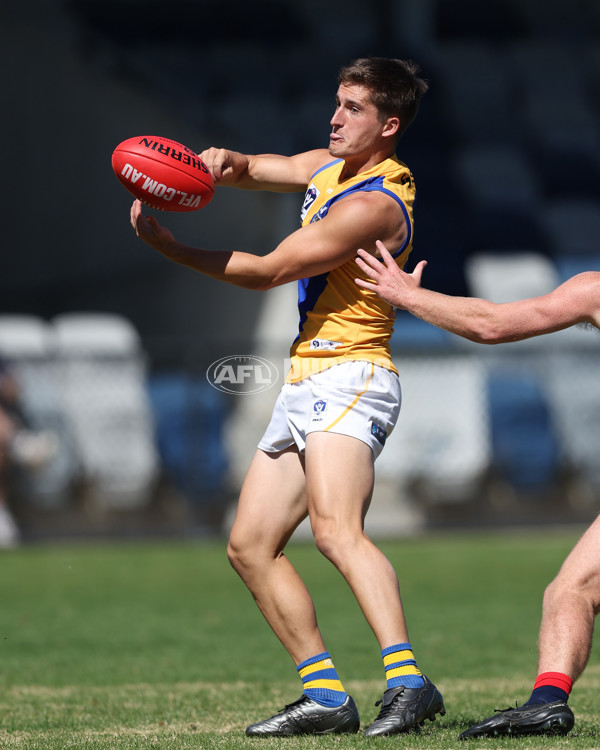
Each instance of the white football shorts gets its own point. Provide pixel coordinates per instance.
(354, 398)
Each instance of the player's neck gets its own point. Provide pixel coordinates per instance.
(354, 166)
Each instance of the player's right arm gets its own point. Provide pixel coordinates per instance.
(282, 174)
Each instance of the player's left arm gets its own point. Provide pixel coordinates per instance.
(357, 220)
(575, 301)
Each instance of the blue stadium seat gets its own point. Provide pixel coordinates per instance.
(524, 444)
(570, 265)
(564, 143)
(571, 226)
(189, 417)
(574, 387)
(476, 92)
(501, 194)
(544, 63)
(411, 333)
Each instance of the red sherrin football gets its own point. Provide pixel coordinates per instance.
(163, 174)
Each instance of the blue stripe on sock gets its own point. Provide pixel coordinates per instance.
(329, 698)
(321, 674)
(397, 664)
(408, 680)
(397, 647)
(313, 660)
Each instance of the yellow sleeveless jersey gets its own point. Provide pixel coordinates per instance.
(339, 321)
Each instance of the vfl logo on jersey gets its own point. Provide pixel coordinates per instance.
(319, 409)
(324, 344)
(311, 196)
(379, 433)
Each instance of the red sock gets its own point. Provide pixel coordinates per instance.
(554, 679)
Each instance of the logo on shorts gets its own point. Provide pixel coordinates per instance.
(242, 374)
(319, 409)
(379, 433)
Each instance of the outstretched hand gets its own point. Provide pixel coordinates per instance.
(387, 280)
(149, 230)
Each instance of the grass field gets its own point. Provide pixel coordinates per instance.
(159, 645)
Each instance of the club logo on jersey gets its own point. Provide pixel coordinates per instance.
(379, 433)
(242, 374)
(319, 410)
(311, 196)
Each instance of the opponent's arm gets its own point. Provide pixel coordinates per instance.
(283, 174)
(309, 251)
(575, 301)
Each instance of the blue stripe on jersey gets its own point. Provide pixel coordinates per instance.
(370, 185)
(400, 250)
(325, 166)
(309, 291)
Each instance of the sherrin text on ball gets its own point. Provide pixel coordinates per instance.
(163, 173)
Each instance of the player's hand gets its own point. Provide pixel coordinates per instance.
(225, 166)
(386, 279)
(149, 230)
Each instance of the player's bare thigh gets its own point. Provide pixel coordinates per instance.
(339, 480)
(272, 501)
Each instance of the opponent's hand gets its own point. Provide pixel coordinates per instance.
(149, 230)
(387, 280)
(225, 166)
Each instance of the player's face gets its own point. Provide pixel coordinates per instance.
(355, 125)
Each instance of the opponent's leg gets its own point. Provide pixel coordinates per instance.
(570, 605)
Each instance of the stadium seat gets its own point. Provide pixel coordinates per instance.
(524, 444)
(570, 265)
(441, 439)
(548, 19)
(493, 21)
(564, 143)
(571, 226)
(411, 333)
(189, 416)
(501, 197)
(508, 277)
(241, 117)
(476, 93)
(574, 386)
(511, 275)
(545, 63)
(103, 379)
(27, 343)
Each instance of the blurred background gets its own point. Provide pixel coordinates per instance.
(109, 344)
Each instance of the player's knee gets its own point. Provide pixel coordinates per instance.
(585, 589)
(551, 594)
(330, 540)
(237, 554)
